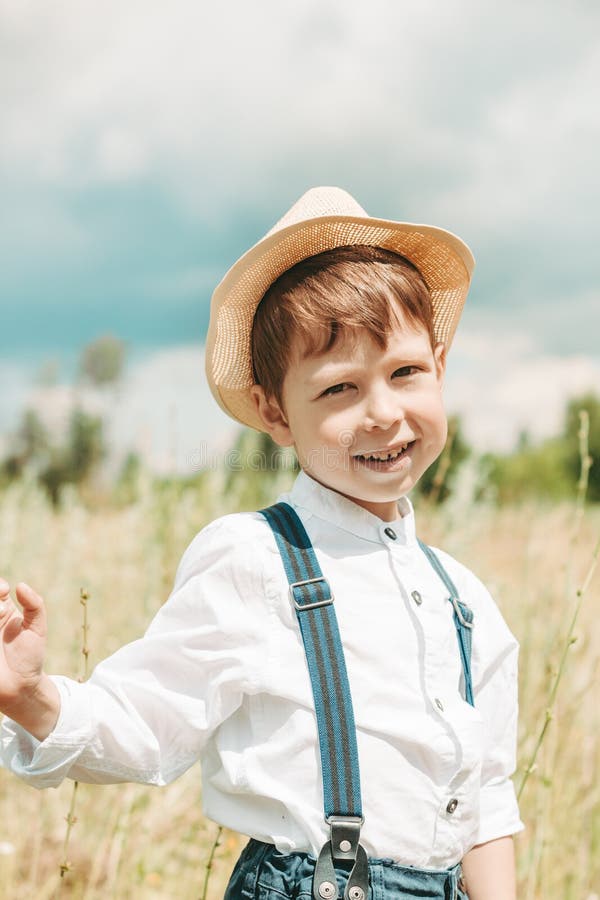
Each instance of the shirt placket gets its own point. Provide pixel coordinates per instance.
(418, 590)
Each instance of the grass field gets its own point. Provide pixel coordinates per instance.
(129, 841)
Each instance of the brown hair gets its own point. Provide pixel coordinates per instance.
(355, 287)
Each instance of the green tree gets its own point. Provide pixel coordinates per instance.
(32, 438)
(102, 360)
(253, 463)
(126, 487)
(533, 470)
(75, 461)
(551, 468)
(30, 446)
(85, 447)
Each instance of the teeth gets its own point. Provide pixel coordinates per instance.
(386, 457)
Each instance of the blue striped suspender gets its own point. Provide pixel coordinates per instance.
(463, 620)
(313, 601)
(311, 595)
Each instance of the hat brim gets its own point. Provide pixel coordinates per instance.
(444, 260)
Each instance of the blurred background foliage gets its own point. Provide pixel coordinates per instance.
(548, 469)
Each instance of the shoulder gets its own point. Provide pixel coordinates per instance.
(237, 542)
(493, 634)
(220, 576)
(470, 587)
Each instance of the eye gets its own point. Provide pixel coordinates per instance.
(336, 389)
(405, 371)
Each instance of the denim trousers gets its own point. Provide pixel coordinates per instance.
(263, 873)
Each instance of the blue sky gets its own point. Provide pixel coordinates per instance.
(145, 146)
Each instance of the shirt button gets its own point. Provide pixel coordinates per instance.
(452, 805)
(439, 704)
(390, 533)
(417, 597)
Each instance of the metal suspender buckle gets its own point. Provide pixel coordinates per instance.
(344, 845)
(302, 606)
(459, 613)
(345, 835)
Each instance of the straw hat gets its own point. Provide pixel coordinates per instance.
(323, 218)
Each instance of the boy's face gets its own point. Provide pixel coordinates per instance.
(350, 408)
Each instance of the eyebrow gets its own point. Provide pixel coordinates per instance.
(337, 372)
(331, 375)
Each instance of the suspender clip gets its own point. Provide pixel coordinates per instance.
(343, 845)
(345, 835)
(459, 612)
(302, 606)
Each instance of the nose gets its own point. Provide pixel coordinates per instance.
(382, 408)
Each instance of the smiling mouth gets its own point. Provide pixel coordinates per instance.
(379, 456)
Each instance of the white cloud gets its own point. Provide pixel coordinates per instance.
(207, 97)
(566, 328)
(503, 384)
(533, 156)
(120, 154)
(166, 413)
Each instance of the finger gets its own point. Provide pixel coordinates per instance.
(34, 613)
(6, 606)
(4, 589)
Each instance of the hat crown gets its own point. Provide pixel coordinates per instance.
(316, 202)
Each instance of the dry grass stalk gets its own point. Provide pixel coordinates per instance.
(209, 862)
(71, 818)
(570, 638)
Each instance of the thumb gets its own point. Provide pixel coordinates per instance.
(34, 613)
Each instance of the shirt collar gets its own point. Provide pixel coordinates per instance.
(327, 504)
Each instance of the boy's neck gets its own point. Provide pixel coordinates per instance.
(388, 511)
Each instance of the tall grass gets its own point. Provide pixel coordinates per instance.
(131, 841)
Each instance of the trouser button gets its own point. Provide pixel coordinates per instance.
(356, 893)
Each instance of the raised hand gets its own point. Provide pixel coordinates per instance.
(27, 695)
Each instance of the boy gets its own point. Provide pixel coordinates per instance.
(331, 335)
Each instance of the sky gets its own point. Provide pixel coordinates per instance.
(145, 146)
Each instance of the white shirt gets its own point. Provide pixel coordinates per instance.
(221, 676)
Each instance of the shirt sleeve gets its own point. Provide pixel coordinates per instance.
(147, 711)
(496, 695)
(494, 668)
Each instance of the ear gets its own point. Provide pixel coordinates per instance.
(439, 356)
(272, 416)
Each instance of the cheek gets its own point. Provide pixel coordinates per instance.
(434, 415)
(428, 404)
(312, 432)
(327, 423)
